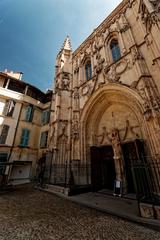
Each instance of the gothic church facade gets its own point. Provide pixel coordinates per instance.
(105, 110)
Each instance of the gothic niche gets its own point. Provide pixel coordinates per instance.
(65, 81)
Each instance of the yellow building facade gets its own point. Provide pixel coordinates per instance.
(24, 125)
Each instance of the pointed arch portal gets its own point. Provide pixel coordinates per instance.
(113, 136)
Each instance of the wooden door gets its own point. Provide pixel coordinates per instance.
(102, 168)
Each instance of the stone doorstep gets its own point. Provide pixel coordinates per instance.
(57, 189)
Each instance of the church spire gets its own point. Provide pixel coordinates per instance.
(67, 44)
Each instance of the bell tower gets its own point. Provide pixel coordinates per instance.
(60, 142)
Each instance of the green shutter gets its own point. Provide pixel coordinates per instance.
(45, 116)
(24, 137)
(29, 113)
(43, 140)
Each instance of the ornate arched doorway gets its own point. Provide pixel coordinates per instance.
(114, 135)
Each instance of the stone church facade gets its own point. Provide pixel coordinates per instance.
(105, 109)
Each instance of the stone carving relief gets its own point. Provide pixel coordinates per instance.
(76, 97)
(149, 94)
(75, 126)
(113, 73)
(86, 90)
(96, 50)
(63, 135)
(136, 54)
(100, 61)
(156, 5)
(76, 67)
(118, 156)
(114, 138)
(149, 11)
(65, 81)
(106, 137)
(124, 24)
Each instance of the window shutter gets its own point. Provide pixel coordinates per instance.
(43, 140)
(29, 113)
(24, 137)
(9, 108)
(4, 134)
(45, 117)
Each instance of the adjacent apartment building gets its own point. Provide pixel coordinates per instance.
(24, 124)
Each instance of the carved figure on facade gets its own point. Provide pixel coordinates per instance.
(150, 96)
(75, 126)
(110, 73)
(136, 54)
(118, 156)
(75, 130)
(149, 11)
(156, 5)
(96, 50)
(65, 81)
(76, 97)
(113, 138)
(99, 66)
(105, 137)
(76, 67)
(124, 25)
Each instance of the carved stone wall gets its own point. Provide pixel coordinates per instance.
(123, 96)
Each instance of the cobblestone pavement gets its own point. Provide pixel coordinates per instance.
(28, 214)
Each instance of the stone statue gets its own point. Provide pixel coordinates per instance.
(118, 156)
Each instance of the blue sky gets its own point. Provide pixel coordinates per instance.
(32, 32)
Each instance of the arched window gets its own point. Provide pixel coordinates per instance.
(116, 53)
(88, 70)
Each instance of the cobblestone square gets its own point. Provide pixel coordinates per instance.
(28, 214)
